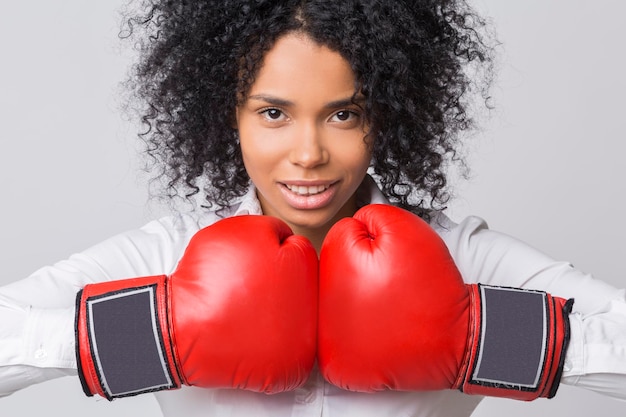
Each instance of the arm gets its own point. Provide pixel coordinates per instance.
(37, 313)
(396, 314)
(596, 358)
(143, 330)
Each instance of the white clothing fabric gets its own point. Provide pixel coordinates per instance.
(37, 319)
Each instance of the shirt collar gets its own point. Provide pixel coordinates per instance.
(249, 203)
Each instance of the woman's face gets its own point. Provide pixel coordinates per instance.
(302, 138)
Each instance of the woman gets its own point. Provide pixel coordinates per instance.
(356, 118)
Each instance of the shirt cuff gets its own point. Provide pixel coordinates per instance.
(574, 364)
(49, 340)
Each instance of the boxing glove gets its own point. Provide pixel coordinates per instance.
(239, 311)
(396, 314)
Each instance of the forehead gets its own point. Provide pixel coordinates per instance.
(297, 62)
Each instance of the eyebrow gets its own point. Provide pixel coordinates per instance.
(275, 101)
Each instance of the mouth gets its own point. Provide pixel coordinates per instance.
(303, 196)
(306, 190)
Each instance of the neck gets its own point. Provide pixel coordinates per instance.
(315, 236)
(318, 234)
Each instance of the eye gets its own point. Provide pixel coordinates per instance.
(345, 116)
(272, 114)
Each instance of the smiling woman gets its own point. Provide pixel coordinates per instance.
(193, 59)
(304, 136)
(283, 109)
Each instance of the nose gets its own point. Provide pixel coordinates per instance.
(308, 150)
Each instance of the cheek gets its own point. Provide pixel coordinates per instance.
(357, 156)
(259, 152)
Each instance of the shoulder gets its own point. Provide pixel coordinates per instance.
(153, 248)
(458, 233)
(476, 247)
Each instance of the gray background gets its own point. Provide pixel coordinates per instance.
(547, 164)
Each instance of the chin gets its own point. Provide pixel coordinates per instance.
(311, 221)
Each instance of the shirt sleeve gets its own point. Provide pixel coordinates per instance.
(37, 313)
(596, 357)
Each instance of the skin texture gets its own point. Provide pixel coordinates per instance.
(303, 136)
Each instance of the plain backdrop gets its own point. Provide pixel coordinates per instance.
(547, 164)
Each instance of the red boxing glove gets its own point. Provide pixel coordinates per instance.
(240, 311)
(396, 314)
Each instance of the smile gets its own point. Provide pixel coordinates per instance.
(307, 190)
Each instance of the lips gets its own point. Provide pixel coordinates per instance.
(302, 196)
(307, 190)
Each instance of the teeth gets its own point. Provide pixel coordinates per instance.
(304, 190)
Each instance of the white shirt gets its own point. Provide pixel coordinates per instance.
(37, 318)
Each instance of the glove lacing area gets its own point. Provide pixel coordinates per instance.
(123, 346)
(516, 344)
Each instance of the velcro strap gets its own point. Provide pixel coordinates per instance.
(515, 340)
(125, 334)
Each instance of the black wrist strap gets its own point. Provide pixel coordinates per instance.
(518, 343)
(127, 349)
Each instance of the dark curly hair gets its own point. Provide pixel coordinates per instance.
(417, 62)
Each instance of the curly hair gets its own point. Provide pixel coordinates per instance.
(416, 62)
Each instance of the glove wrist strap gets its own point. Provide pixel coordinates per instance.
(123, 344)
(518, 341)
